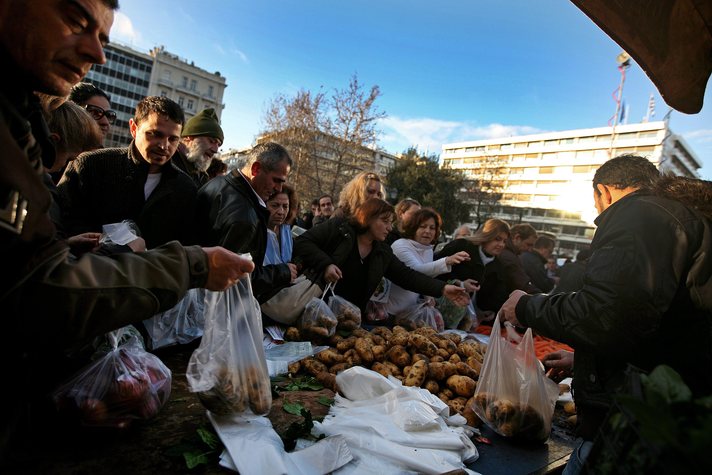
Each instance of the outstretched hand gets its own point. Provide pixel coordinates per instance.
(560, 364)
(456, 294)
(225, 268)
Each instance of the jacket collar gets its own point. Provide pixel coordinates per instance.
(601, 218)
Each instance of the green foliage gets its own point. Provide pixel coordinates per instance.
(201, 448)
(295, 408)
(302, 383)
(299, 430)
(420, 177)
(325, 401)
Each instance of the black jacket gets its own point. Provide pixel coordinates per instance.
(331, 243)
(230, 215)
(503, 276)
(534, 265)
(472, 269)
(646, 300)
(571, 278)
(181, 161)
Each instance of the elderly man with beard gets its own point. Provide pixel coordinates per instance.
(201, 138)
(137, 183)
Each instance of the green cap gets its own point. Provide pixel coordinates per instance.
(204, 122)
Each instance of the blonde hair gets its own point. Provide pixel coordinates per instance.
(77, 130)
(354, 193)
(489, 231)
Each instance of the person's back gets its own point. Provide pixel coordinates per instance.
(534, 262)
(572, 274)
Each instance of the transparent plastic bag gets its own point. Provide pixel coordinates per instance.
(228, 370)
(423, 314)
(348, 315)
(318, 320)
(513, 396)
(125, 384)
(120, 233)
(375, 312)
(179, 325)
(451, 313)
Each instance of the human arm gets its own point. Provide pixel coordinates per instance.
(403, 250)
(310, 248)
(560, 364)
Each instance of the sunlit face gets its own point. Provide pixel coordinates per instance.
(373, 189)
(156, 139)
(326, 206)
(426, 232)
(266, 183)
(381, 226)
(200, 150)
(523, 245)
(407, 214)
(53, 43)
(496, 245)
(278, 207)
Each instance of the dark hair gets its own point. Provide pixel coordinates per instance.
(325, 196)
(544, 242)
(216, 168)
(315, 202)
(161, 106)
(83, 91)
(369, 210)
(524, 231)
(691, 192)
(627, 171)
(418, 218)
(269, 155)
(404, 205)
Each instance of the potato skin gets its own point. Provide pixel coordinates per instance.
(464, 369)
(399, 356)
(346, 344)
(432, 386)
(461, 385)
(330, 357)
(313, 367)
(364, 348)
(441, 371)
(417, 374)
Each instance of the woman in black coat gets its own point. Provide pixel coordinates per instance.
(352, 253)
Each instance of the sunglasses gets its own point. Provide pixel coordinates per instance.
(97, 113)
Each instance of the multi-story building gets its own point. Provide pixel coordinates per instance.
(545, 179)
(129, 75)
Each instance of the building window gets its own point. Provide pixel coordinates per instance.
(546, 170)
(185, 81)
(164, 94)
(193, 84)
(210, 91)
(181, 100)
(190, 104)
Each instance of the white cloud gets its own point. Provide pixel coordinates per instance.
(240, 54)
(430, 134)
(702, 135)
(233, 50)
(123, 29)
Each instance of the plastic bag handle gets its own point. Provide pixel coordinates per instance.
(326, 289)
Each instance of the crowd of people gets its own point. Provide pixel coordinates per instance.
(646, 281)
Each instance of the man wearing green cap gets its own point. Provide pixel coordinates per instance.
(201, 138)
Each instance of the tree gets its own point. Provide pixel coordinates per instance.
(483, 187)
(330, 138)
(421, 178)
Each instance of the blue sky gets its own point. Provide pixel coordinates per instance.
(448, 70)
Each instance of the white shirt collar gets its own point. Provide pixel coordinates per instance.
(259, 200)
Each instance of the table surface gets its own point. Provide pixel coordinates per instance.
(154, 447)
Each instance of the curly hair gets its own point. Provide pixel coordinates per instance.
(626, 171)
(691, 192)
(354, 192)
(419, 217)
(489, 231)
(369, 210)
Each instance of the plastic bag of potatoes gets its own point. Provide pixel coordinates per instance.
(513, 396)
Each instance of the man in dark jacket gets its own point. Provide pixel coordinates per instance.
(231, 212)
(137, 183)
(572, 274)
(202, 137)
(50, 301)
(534, 263)
(646, 298)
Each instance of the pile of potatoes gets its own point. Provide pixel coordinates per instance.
(443, 364)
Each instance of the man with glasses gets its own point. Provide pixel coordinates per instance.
(96, 102)
(202, 137)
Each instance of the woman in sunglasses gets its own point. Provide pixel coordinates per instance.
(96, 102)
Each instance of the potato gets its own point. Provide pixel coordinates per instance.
(443, 397)
(426, 331)
(564, 388)
(360, 332)
(455, 358)
(378, 340)
(327, 379)
(294, 368)
(482, 400)
(441, 371)
(259, 391)
(292, 334)
(406, 370)
(395, 370)
(330, 357)
(473, 420)
(456, 406)
(454, 337)
(383, 332)
(416, 376)
(399, 329)
(467, 348)
(313, 366)
(379, 352)
(346, 344)
(447, 393)
(422, 344)
(338, 367)
(442, 353)
(398, 355)
(572, 420)
(445, 344)
(464, 369)
(317, 331)
(432, 386)
(473, 363)
(335, 339)
(399, 339)
(461, 385)
(419, 356)
(352, 357)
(570, 407)
(437, 359)
(382, 369)
(364, 349)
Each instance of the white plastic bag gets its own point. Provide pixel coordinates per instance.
(179, 325)
(228, 370)
(318, 320)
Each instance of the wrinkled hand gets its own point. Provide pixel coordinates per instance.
(86, 242)
(508, 310)
(293, 271)
(225, 268)
(560, 364)
(456, 295)
(471, 285)
(332, 273)
(137, 245)
(457, 258)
